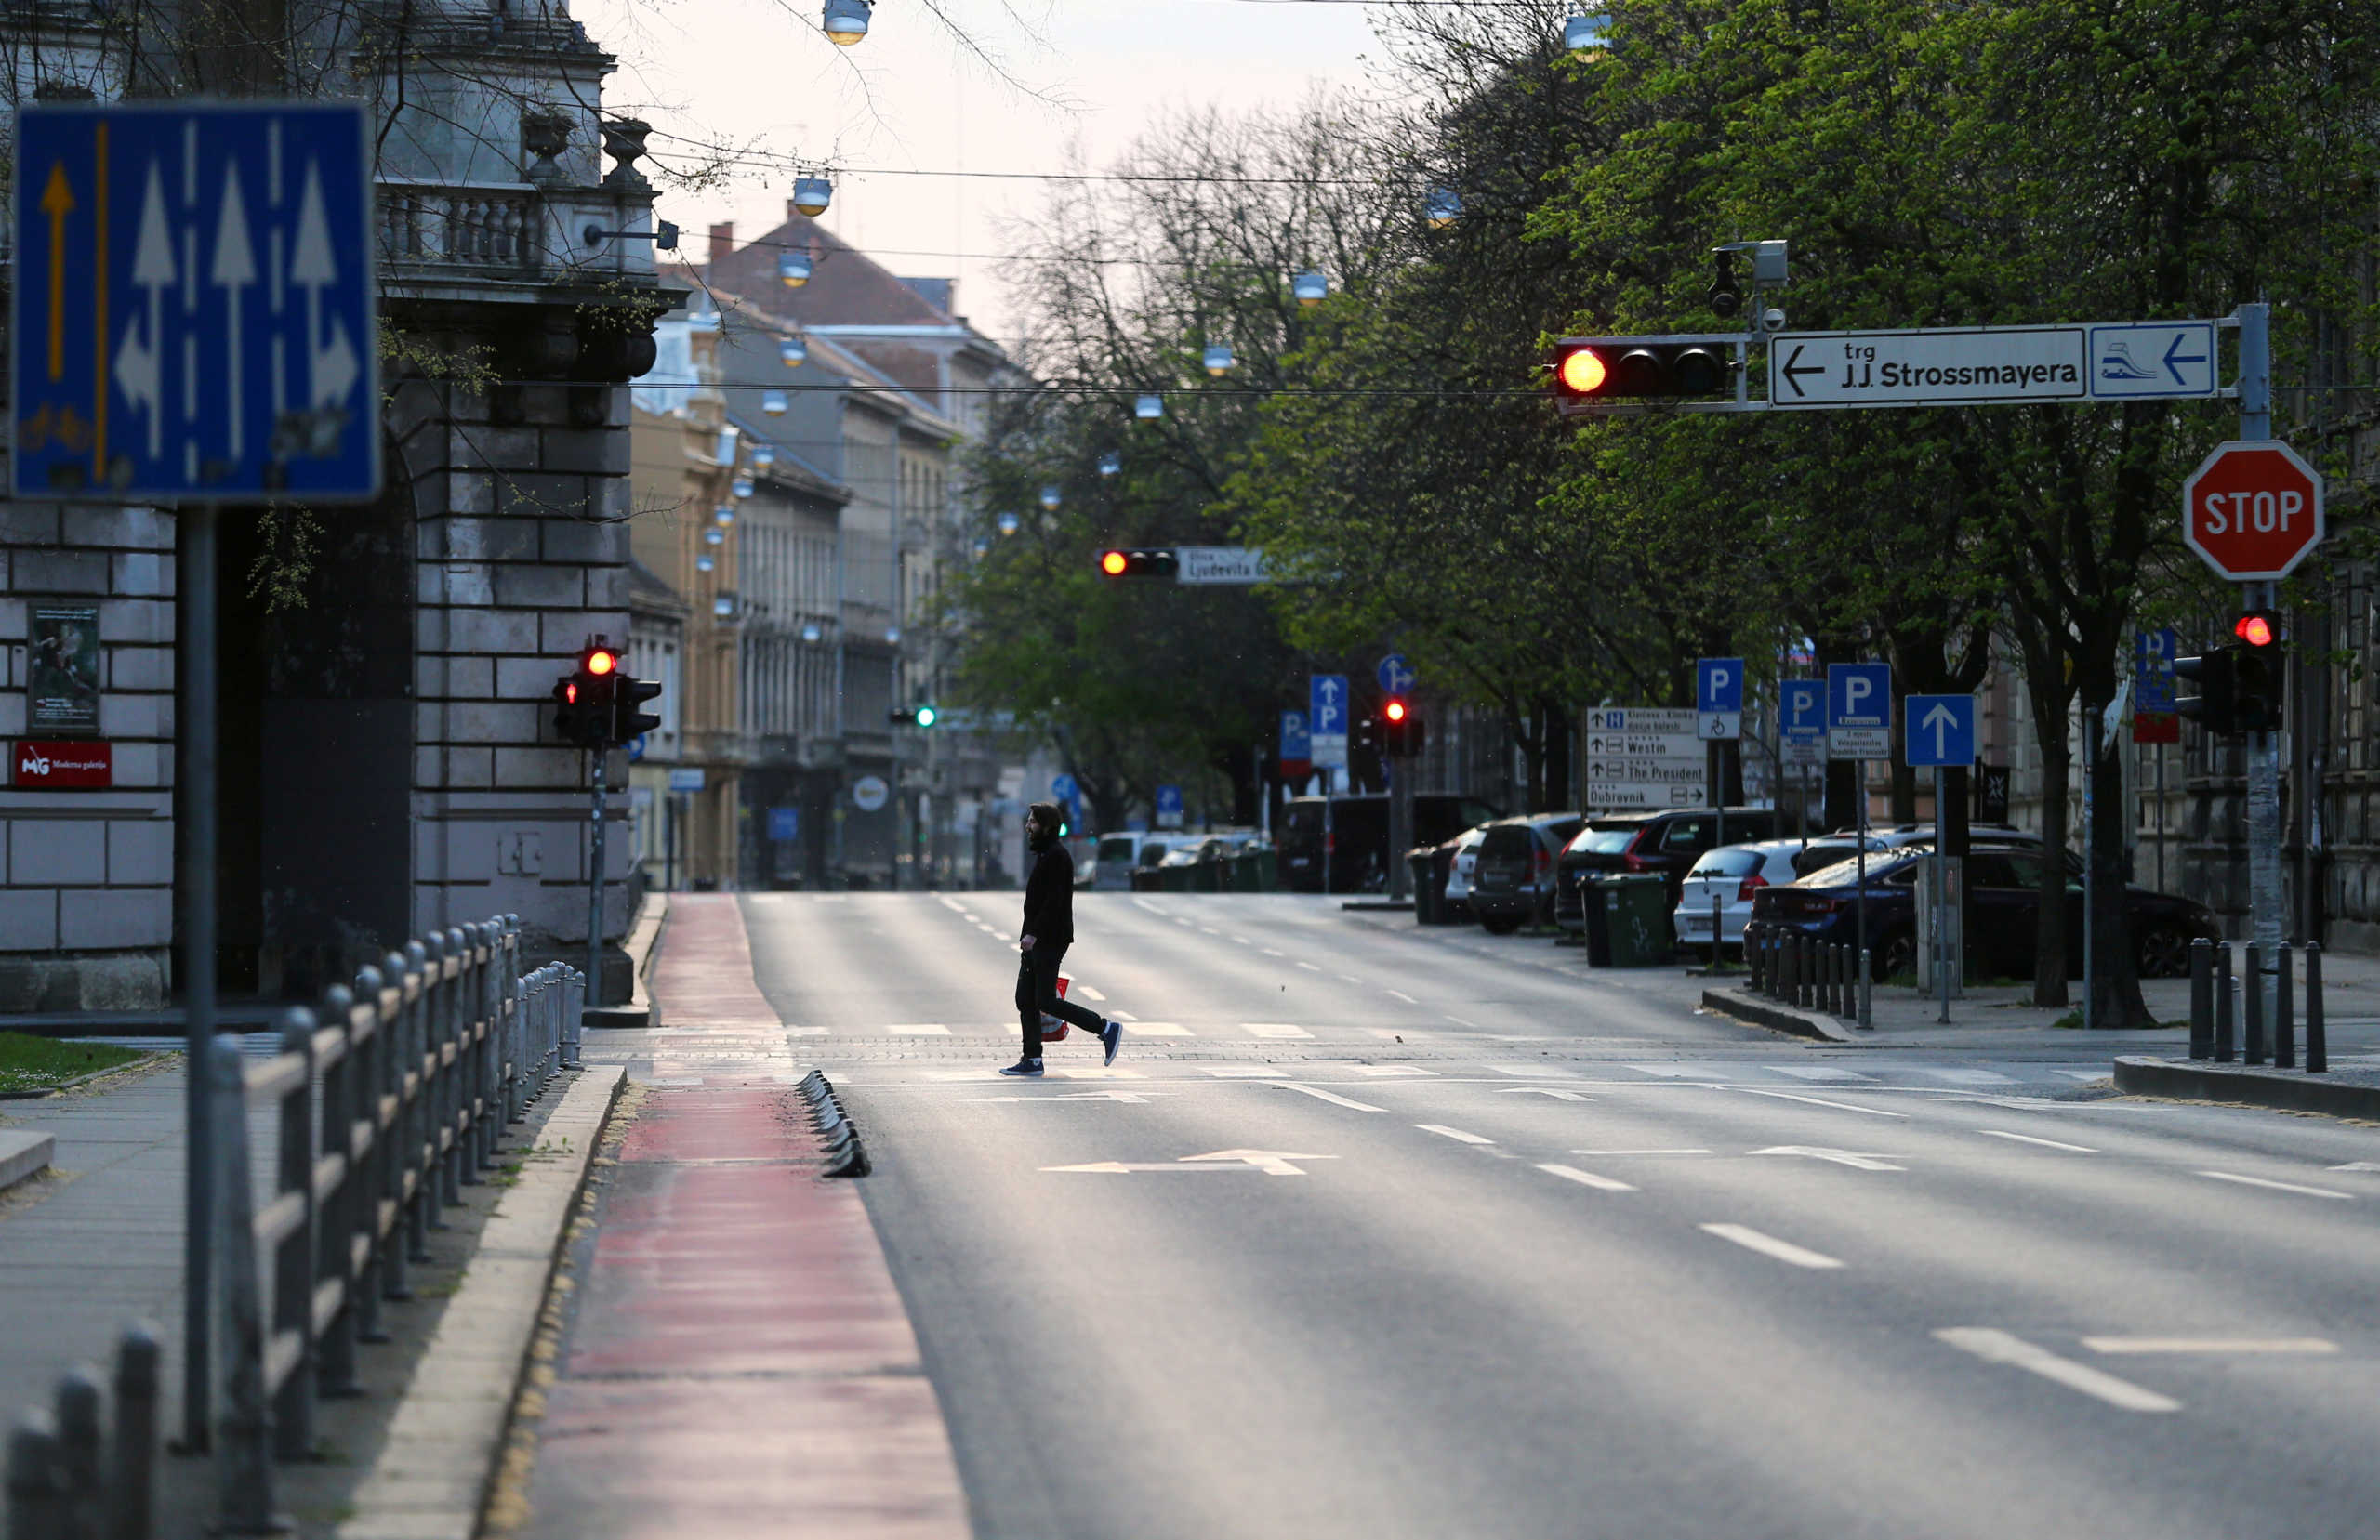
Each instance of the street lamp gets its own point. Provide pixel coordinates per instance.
(725, 514)
(810, 632)
(764, 456)
(714, 536)
(1008, 523)
(1110, 463)
(1442, 208)
(791, 351)
(1148, 407)
(1050, 497)
(1309, 287)
(793, 269)
(774, 402)
(811, 195)
(1219, 359)
(846, 21)
(705, 562)
(743, 486)
(1587, 35)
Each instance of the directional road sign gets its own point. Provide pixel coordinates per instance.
(1859, 711)
(1980, 365)
(2155, 718)
(1801, 720)
(785, 824)
(1396, 675)
(1169, 806)
(1719, 697)
(193, 308)
(1644, 757)
(1325, 719)
(1218, 565)
(1941, 730)
(2253, 510)
(1062, 787)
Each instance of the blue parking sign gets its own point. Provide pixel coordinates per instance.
(1859, 710)
(1297, 748)
(2153, 676)
(1719, 684)
(785, 824)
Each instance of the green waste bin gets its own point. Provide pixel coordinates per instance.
(1628, 921)
(1174, 879)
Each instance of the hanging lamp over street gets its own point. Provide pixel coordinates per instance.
(1219, 359)
(1008, 522)
(1110, 463)
(1309, 287)
(1051, 497)
(793, 269)
(1442, 208)
(764, 456)
(812, 194)
(846, 21)
(705, 562)
(1148, 407)
(773, 402)
(1587, 35)
(791, 351)
(743, 486)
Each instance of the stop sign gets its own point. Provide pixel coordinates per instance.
(2253, 510)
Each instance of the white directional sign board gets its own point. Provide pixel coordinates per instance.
(1995, 364)
(1645, 757)
(1219, 564)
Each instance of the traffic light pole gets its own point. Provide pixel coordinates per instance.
(2263, 748)
(595, 889)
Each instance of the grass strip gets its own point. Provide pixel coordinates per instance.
(29, 1064)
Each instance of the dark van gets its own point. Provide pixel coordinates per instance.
(1356, 848)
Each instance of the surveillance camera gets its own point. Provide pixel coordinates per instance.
(1773, 320)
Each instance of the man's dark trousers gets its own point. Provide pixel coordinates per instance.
(1037, 994)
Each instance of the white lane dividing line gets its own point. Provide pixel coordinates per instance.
(952, 904)
(1331, 1097)
(1154, 1029)
(1817, 1101)
(1460, 1023)
(1243, 940)
(1769, 1246)
(1209, 931)
(1273, 1029)
(1812, 1071)
(1086, 991)
(920, 1029)
(1997, 1347)
(2046, 1143)
(1349, 979)
(1268, 951)
(1444, 1132)
(1309, 968)
(1407, 998)
(2210, 1345)
(1587, 1178)
(1640, 1152)
(2277, 1187)
(1144, 903)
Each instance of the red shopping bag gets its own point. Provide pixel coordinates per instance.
(1052, 1028)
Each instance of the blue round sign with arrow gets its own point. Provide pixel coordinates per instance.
(1396, 675)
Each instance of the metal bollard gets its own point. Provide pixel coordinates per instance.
(132, 1456)
(1834, 970)
(2254, 984)
(295, 1256)
(37, 1508)
(2284, 1010)
(81, 1439)
(1752, 956)
(2318, 1048)
(2201, 998)
(2226, 1017)
(1866, 986)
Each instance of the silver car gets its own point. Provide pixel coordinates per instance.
(1732, 874)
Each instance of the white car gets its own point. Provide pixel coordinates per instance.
(1466, 855)
(1733, 873)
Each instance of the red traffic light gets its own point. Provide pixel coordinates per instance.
(600, 660)
(1114, 563)
(2258, 628)
(1146, 561)
(1584, 372)
(1394, 711)
(1614, 368)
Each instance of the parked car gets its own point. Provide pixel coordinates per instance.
(2003, 898)
(1898, 834)
(1512, 879)
(1734, 873)
(1669, 841)
(1113, 860)
(1354, 846)
(1466, 855)
(1199, 849)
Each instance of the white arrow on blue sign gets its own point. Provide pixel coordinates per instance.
(1859, 710)
(1396, 675)
(1327, 718)
(1940, 729)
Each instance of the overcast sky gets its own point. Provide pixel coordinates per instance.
(759, 72)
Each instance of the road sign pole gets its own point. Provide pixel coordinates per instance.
(1859, 790)
(2090, 803)
(594, 995)
(196, 689)
(1941, 899)
(2264, 751)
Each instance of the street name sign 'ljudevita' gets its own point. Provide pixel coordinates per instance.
(1645, 757)
(193, 311)
(1218, 565)
(1966, 366)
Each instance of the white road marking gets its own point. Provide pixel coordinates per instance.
(2210, 1345)
(2278, 1187)
(1349, 979)
(1997, 1347)
(1180, 921)
(1444, 1132)
(1156, 1029)
(2083, 1074)
(952, 904)
(1267, 951)
(1331, 1097)
(2358, 1166)
(1243, 940)
(1153, 909)
(1460, 1023)
(1967, 1077)
(1273, 1029)
(1207, 929)
(1241, 1071)
(1543, 1090)
(1814, 1072)
(1587, 1178)
(1769, 1246)
(1381, 1070)
(1640, 1152)
(1002, 936)
(1309, 968)
(805, 1032)
(1121, 1015)
(1532, 1072)
(1401, 1034)
(1086, 990)
(1838, 1157)
(920, 1029)
(1072, 1096)
(1407, 998)
(2028, 1139)
(1818, 1101)
(1674, 1071)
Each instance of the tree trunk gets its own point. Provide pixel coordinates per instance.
(2049, 935)
(2116, 1002)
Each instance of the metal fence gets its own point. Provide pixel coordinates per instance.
(390, 1099)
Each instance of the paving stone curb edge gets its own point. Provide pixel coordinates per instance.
(1747, 1006)
(2295, 1093)
(432, 1475)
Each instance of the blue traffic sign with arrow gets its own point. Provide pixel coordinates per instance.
(1940, 729)
(193, 309)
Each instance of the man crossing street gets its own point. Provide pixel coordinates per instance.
(1042, 939)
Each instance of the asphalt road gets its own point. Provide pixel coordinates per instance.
(1369, 1235)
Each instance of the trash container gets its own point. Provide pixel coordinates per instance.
(1635, 910)
(1598, 933)
(1429, 898)
(1145, 879)
(1207, 876)
(1175, 880)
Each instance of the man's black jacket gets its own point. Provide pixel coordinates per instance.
(1050, 897)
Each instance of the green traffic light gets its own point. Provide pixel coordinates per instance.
(926, 714)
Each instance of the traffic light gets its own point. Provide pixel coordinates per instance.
(585, 695)
(2260, 676)
(1587, 370)
(1366, 737)
(1141, 561)
(2215, 706)
(1397, 726)
(916, 716)
(628, 692)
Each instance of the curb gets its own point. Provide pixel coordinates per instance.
(1747, 1006)
(845, 1156)
(431, 1478)
(2289, 1090)
(25, 1154)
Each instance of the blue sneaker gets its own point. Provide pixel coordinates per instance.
(1111, 1037)
(1031, 1067)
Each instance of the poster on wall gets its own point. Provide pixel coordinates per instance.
(62, 677)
